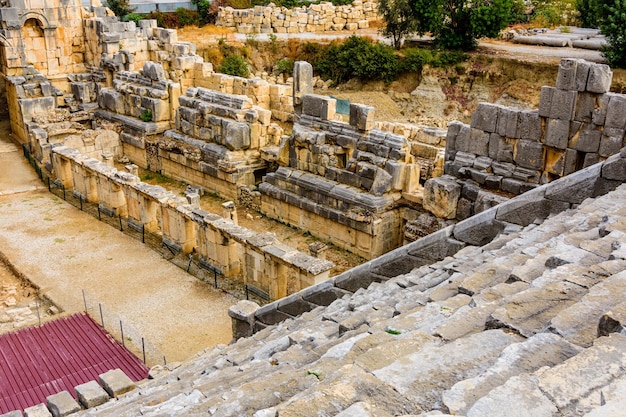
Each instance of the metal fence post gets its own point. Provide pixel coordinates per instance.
(120, 217)
(122, 332)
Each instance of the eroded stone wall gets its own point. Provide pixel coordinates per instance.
(507, 150)
(313, 18)
(259, 258)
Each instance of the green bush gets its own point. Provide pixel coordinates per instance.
(121, 8)
(187, 17)
(133, 17)
(415, 59)
(285, 66)
(234, 65)
(358, 58)
(146, 116)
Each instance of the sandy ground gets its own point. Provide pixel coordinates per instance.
(64, 251)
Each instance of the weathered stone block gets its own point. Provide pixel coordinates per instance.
(600, 78)
(614, 168)
(154, 71)
(91, 394)
(611, 142)
(615, 112)
(566, 77)
(529, 154)
(576, 187)
(560, 162)
(591, 159)
(485, 117)
(441, 196)
(302, 81)
(585, 107)
(563, 103)
(599, 113)
(479, 229)
(452, 133)
(557, 133)
(582, 75)
(586, 140)
(62, 404)
(236, 135)
(479, 142)
(545, 101)
(39, 410)
(361, 116)
(115, 382)
(463, 138)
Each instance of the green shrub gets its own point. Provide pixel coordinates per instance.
(285, 66)
(415, 59)
(146, 116)
(358, 58)
(133, 17)
(187, 17)
(612, 16)
(121, 8)
(234, 65)
(445, 59)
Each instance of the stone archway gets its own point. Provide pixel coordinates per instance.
(34, 43)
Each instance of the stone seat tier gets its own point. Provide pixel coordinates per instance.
(469, 335)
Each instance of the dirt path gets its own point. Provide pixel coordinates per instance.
(63, 251)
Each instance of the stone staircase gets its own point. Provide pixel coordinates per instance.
(526, 325)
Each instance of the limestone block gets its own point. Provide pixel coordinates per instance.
(519, 393)
(236, 135)
(529, 154)
(560, 162)
(574, 188)
(39, 410)
(582, 75)
(15, 413)
(545, 101)
(562, 104)
(115, 382)
(451, 134)
(479, 142)
(586, 140)
(485, 117)
(613, 321)
(382, 183)
(615, 112)
(599, 113)
(91, 394)
(585, 107)
(302, 81)
(62, 404)
(557, 133)
(463, 138)
(600, 78)
(362, 116)
(154, 71)
(566, 77)
(441, 196)
(529, 126)
(611, 142)
(614, 168)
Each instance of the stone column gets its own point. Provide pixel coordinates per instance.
(302, 84)
(242, 316)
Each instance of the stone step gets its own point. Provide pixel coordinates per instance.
(543, 349)
(424, 374)
(600, 298)
(571, 388)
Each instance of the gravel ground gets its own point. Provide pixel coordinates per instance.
(63, 251)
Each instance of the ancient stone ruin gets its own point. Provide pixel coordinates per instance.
(464, 309)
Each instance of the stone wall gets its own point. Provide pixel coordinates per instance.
(313, 18)
(578, 124)
(342, 181)
(220, 244)
(217, 142)
(278, 98)
(45, 34)
(509, 216)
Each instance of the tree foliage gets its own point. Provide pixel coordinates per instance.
(610, 17)
(455, 24)
(120, 7)
(398, 15)
(234, 65)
